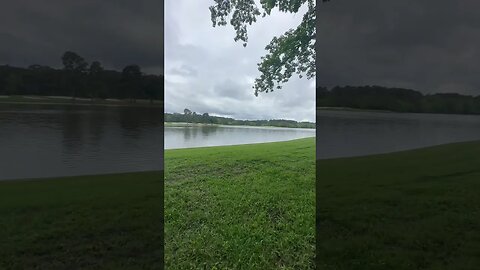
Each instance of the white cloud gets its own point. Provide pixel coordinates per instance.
(224, 70)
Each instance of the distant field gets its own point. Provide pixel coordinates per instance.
(416, 209)
(76, 101)
(86, 222)
(241, 207)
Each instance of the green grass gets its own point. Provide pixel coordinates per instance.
(416, 209)
(241, 207)
(252, 207)
(87, 222)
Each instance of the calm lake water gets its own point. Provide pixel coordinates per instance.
(206, 135)
(57, 140)
(344, 133)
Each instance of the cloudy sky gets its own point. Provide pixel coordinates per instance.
(428, 45)
(206, 71)
(115, 32)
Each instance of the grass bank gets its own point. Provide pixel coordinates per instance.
(87, 222)
(241, 207)
(416, 209)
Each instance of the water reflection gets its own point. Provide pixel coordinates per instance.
(344, 134)
(57, 140)
(191, 133)
(213, 135)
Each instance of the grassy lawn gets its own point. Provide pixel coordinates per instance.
(416, 209)
(241, 207)
(252, 207)
(88, 222)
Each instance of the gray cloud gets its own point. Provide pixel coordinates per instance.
(184, 70)
(225, 69)
(231, 89)
(117, 33)
(431, 45)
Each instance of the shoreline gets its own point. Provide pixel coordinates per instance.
(400, 151)
(184, 124)
(61, 100)
(242, 144)
(348, 109)
(379, 155)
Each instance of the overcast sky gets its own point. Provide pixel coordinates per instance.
(115, 32)
(206, 71)
(428, 45)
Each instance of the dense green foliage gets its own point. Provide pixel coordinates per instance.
(77, 79)
(241, 207)
(396, 99)
(415, 209)
(86, 222)
(292, 52)
(205, 118)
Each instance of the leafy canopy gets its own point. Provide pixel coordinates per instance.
(292, 52)
(74, 62)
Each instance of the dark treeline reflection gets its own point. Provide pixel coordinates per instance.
(87, 127)
(79, 78)
(358, 133)
(185, 136)
(396, 99)
(191, 133)
(56, 140)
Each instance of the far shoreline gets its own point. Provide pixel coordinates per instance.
(348, 109)
(185, 124)
(78, 101)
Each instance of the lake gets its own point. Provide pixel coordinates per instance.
(357, 133)
(216, 135)
(61, 140)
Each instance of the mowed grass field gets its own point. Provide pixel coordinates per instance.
(241, 207)
(253, 207)
(416, 209)
(86, 222)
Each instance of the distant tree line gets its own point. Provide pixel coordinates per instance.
(192, 117)
(396, 99)
(78, 78)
